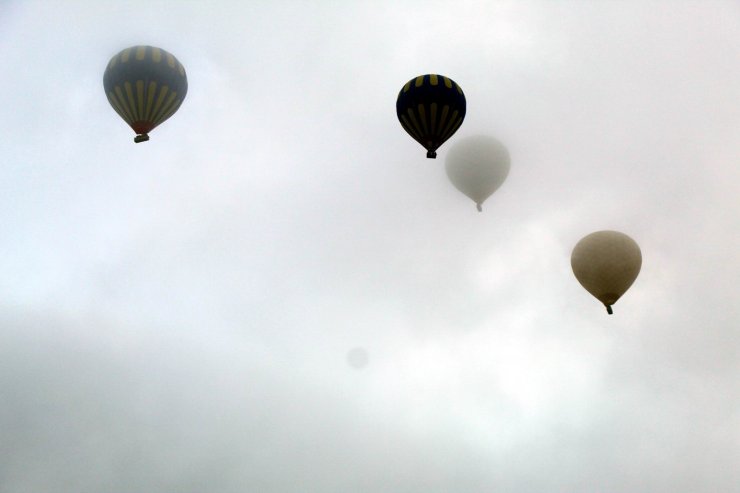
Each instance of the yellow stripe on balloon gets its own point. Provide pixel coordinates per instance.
(125, 54)
(433, 118)
(449, 124)
(158, 117)
(453, 128)
(162, 94)
(168, 108)
(170, 60)
(151, 91)
(116, 106)
(140, 52)
(169, 112)
(131, 101)
(443, 118)
(423, 117)
(448, 82)
(413, 120)
(140, 97)
(156, 55)
(419, 81)
(407, 126)
(433, 79)
(122, 102)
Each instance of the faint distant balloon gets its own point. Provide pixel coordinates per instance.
(478, 166)
(357, 358)
(606, 263)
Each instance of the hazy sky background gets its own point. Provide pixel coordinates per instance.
(182, 315)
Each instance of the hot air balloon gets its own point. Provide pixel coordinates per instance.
(145, 85)
(606, 263)
(477, 166)
(431, 108)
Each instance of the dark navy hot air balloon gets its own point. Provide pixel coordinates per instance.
(145, 85)
(431, 108)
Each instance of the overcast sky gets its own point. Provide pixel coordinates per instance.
(280, 293)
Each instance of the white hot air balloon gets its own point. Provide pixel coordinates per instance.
(477, 166)
(606, 263)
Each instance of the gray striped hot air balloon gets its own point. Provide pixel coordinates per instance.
(146, 86)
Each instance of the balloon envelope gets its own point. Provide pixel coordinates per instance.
(606, 263)
(477, 166)
(357, 358)
(431, 108)
(145, 85)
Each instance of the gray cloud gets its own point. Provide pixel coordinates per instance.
(176, 315)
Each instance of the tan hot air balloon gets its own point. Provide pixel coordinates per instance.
(477, 166)
(606, 263)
